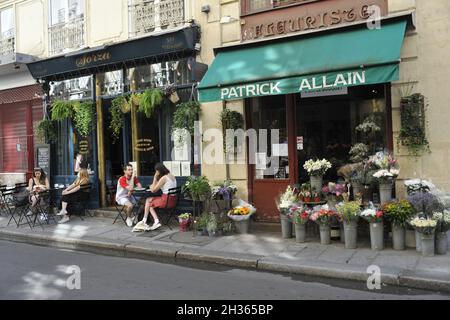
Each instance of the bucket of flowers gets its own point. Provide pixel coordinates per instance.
(442, 227)
(316, 169)
(375, 219)
(184, 220)
(334, 192)
(222, 194)
(299, 216)
(426, 227)
(284, 202)
(387, 173)
(324, 216)
(240, 215)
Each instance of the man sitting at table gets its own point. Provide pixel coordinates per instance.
(125, 187)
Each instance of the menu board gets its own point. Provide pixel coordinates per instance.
(42, 155)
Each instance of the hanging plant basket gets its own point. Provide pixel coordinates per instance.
(83, 117)
(184, 117)
(61, 110)
(46, 131)
(149, 101)
(117, 118)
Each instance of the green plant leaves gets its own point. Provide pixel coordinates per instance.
(117, 118)
(61, 110)
(83, 117)
(231, 120)
(81, 113)
(149, 100)
(412, 133)
(46, 130)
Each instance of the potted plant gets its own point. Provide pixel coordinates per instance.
(240, 215)
(323, 217)
(222, 194)
(211, 225)
(426, 227)
(424, 203)
(299, 217)
(349, 213)
(442, 227)
(149, 100)
(202, 221)
(399, 213)
(316, 170)
(197, 188)
(375, 219)
(184, 220)
(284, 202)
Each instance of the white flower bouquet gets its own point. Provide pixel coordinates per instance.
(286, 200)
(318, 167)
(386, 174)
(443, 221)
(424, 226)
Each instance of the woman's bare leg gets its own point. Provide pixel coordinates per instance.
(147, 209)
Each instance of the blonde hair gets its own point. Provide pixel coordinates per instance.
(83, 177)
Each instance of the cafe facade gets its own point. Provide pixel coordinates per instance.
(100, 74)
(315, 71)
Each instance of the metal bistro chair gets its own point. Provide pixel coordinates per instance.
(21, 206)
(121, 210)
(5, 200)
(82, 205)
(44, 209)
(170, 212)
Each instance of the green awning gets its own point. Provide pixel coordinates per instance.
(340, 59)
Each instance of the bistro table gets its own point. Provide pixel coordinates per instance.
(140, 196)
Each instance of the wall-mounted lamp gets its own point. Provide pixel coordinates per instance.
(206, 8)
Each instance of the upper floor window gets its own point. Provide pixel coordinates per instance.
(146, 16)
(252, 6)
(7, 31)
(66, 29)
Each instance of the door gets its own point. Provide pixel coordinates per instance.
(271, 171)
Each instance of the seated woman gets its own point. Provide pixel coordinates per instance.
(163, 180)
(36, 184)
(73, 194)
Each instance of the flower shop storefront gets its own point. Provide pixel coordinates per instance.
(115, 104)
(327, 93)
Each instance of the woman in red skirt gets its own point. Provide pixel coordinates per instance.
(163, 180)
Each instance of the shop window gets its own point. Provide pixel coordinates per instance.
(73, 89)
(327, 126)
(158, 75)
(61, 157)
(271, 158)
(148, 146)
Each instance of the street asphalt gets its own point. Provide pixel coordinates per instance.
(35, 272)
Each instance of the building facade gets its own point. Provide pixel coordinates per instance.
(316, 70)
(20, 100)
(88, 53)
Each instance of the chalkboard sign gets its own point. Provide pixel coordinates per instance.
(42, 155)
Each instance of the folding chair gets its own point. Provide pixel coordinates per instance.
(84, 201)
(44, 209)
(21, 207)
(4, 208)
(120, 209)
(170, 211)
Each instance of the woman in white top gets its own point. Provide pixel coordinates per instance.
(163, 180)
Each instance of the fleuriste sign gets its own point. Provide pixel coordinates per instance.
(309, 16)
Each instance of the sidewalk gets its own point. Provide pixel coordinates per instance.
(262, 250)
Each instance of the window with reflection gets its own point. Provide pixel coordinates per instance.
(269, 113)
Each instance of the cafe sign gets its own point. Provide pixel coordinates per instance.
(309, 16)
(83, 147)
(143, 145)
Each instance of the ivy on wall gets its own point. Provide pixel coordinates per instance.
(413, 125)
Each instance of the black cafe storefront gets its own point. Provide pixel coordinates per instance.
(315, 88)
(98, 75)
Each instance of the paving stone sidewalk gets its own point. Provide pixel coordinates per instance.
(258, 250)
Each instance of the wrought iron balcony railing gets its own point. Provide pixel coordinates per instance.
(148, 16)
(7, 45)
(66, 36)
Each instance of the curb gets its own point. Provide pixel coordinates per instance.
(169, 253)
